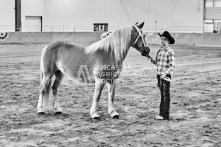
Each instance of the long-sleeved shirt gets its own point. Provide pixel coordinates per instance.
(165, 61)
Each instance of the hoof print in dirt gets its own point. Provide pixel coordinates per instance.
(180, 119)
(41, 113)
(58, 113)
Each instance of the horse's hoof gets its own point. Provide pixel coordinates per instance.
(114, 114)
(116, 117)
(96, 118)
(95, 115)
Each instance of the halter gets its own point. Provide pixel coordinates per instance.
(139, 35)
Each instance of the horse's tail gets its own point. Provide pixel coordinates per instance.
(45, 81)
(42, 63)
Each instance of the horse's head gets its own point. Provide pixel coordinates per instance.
(138, 39)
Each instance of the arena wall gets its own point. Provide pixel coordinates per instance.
(90, 37)
(49, 37)
(188, 39)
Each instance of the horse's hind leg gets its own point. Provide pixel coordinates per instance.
(44, 94)
(99, 85)
(111, 92)
(58, 78)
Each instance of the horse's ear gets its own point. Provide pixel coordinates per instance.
(141, 25)
(136, 23)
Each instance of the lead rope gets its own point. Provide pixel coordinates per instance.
(166, 78)
(148, 59)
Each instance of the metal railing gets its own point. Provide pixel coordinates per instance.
(150, 29)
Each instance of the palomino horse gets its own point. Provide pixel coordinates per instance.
(101, 62)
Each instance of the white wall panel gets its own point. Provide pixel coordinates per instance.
(157, 14)
(31, 8)
(69, 15)
(7, 15)
(213, 13)
(66, 14)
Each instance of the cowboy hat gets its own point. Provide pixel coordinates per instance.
(168, 36)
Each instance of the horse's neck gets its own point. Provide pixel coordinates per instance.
(126, 48)
(125, 52)
(121, 55)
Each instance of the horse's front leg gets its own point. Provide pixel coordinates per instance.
(99, 85)
(111, 109)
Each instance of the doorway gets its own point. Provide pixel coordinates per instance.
(33, 23)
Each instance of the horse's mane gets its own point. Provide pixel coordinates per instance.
(117, 44)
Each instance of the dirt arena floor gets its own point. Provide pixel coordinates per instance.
(195, 103)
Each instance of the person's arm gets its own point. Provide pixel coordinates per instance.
(154, 60)
(148, 56)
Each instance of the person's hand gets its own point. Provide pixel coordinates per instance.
(163, 76)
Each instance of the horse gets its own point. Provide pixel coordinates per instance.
(99, 63)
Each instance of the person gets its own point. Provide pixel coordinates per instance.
(165, 62)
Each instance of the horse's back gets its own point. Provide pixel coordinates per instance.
(59, 52)
(60, 46)
(68, 58)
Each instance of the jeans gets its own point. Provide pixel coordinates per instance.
(164, 87)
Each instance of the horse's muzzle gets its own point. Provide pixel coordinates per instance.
(146, 51)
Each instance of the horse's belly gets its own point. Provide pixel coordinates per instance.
(107, 74)
(78, 73)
